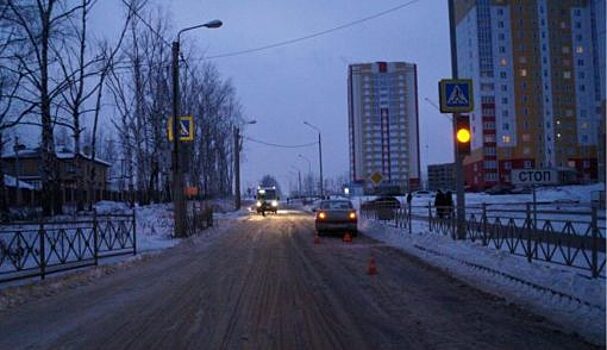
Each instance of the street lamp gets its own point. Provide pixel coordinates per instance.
(322, 185)
(178, 195)
(310, 185)
(237, 150)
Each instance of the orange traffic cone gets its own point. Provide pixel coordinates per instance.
(372, 269)
(316, 239)
(347, 238)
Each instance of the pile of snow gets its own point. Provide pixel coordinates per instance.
(563, 295)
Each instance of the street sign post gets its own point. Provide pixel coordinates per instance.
(186, 128)
(456, 95)
(533, 178)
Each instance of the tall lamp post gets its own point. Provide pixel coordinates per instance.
(322, 185)
(301, 156)
(299, 180)
(237, 150)
(178, 195)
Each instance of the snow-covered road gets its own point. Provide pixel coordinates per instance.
(262, 283)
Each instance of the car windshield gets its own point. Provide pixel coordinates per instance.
(336, 205)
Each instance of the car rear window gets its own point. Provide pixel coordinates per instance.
(336, 205)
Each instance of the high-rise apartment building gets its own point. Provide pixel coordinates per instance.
(383, 124)
(538, 68)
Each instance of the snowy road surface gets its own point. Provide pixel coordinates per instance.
(264, 284)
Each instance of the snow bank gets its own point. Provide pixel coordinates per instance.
(563, 295)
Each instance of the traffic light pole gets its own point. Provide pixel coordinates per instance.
(459, 162)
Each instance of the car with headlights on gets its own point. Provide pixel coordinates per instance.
(336, 215)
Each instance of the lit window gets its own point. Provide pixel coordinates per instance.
(584, 125)
(523, 72)
(579, 49)
(526, 151)
(567, 74)
(571, 163)
(526, 137)
(506, 139)
(503, 62)
(558, 135)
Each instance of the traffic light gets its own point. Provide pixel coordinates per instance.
(463, 135)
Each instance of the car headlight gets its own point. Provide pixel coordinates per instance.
(352, 216)
(322, 215)
(274, 203)
(258, 203)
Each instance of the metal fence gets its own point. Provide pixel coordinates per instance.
(199, 217)
(29, 249)
(567, 235)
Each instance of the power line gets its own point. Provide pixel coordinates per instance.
(281, 146)
(311, 36)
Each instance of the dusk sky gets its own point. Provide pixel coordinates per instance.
(307, 81)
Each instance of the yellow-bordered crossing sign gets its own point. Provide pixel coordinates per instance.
(186, 128)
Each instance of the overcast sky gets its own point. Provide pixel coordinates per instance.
(282, 87)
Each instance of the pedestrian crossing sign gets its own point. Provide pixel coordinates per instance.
(456, 95)
(185, 128)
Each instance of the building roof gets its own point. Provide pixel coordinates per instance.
(62, 154)
(11, 181)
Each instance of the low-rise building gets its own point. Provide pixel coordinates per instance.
(441, 176)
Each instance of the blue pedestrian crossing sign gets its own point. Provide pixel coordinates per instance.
(456, 95)
(185, 128)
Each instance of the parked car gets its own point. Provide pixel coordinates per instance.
(336, 215)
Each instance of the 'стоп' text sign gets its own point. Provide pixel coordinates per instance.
(534, 177)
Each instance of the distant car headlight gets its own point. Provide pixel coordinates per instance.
(322, 215)
(258, 204)
(274, 203)
(352, 216)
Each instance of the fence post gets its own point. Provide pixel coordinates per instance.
(595, 242)
(430, 215)
(95, 238)
(527, 226)
(42, 251)
(484, 222)
(134, 233)
(409, 216)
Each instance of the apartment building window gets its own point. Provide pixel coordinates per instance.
(567, 74)
(504, 87)
(506, 126)
(503, 75)
(503, 62)
(565, 49)
(580, 62)
(523, 72)
(504, 100)
(506, 138)
(579, 49)
(586, 164)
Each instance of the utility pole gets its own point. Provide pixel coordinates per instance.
(322, 185)
(236, 168)
(178, 198)
(459, 162)
(179, 203)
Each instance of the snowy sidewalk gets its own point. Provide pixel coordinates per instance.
(563, 295)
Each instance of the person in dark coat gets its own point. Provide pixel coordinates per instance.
(439, 201)
(448, 204)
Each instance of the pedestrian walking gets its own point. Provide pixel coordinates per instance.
(438, 203)
(448, 204)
